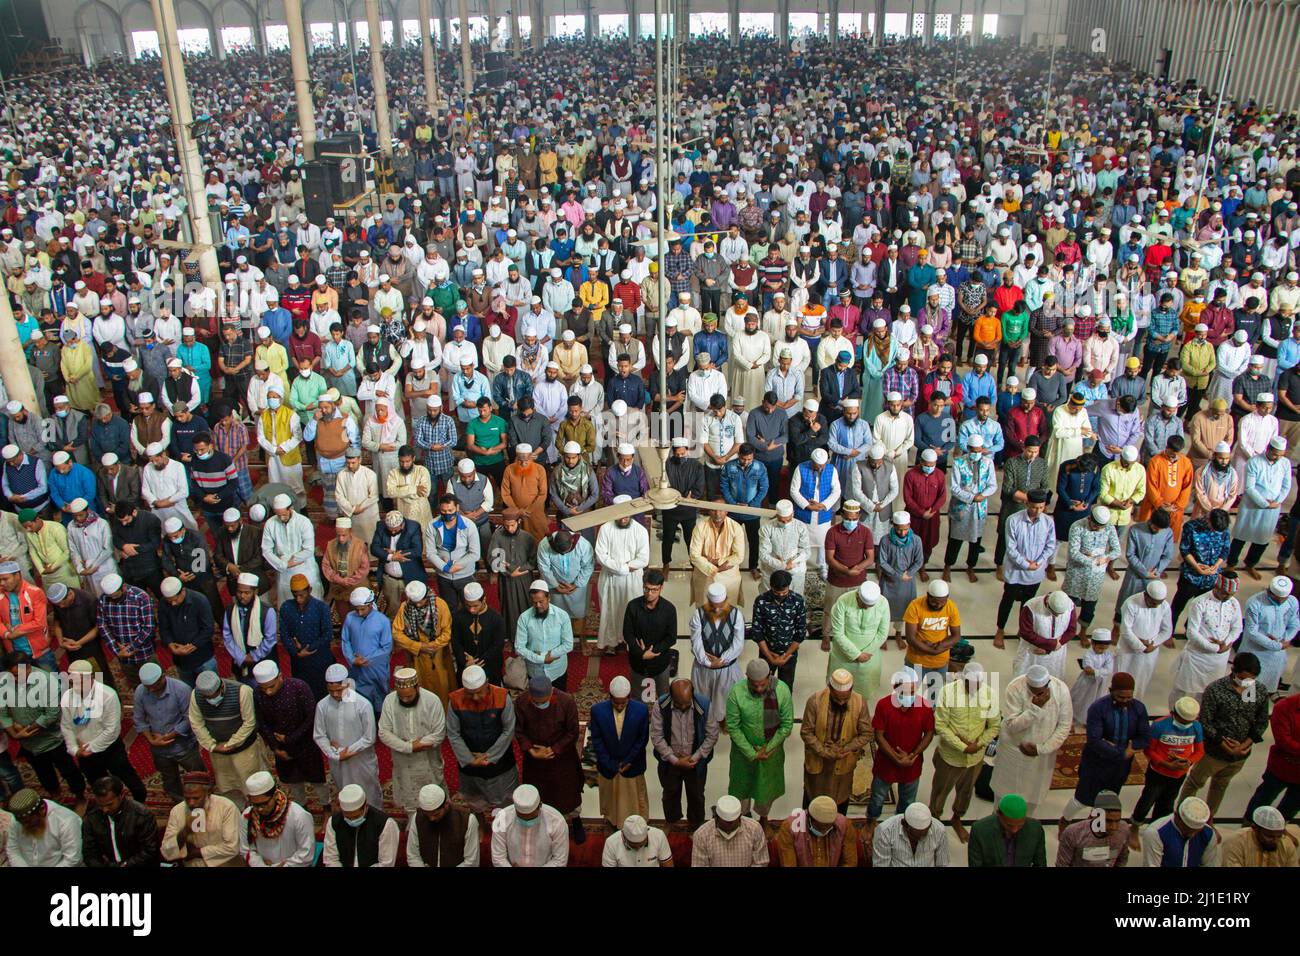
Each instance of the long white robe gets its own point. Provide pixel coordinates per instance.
(1210, 622)
(357, 495)
(283, 542)
(747, 363)
(295, 846)
(1045, 727)
(399, 727)
(169, 483)
(91, 547)
(1254, 432)
(350, 723)
(622, 553)
(1141, 627)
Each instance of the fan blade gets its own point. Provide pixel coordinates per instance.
(723, 506)
(589, 519)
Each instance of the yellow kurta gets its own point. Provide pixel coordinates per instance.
(410, 493)
(1121, 488)
(711, 548)
(437, 670)
(275, 356)
(49, 548)
(77, 363)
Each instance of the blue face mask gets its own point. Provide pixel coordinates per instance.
(816, 830)
(355, 822)
(850, 526)
(204, 457)
(906, 700)
(273, 403)
(543, 705)
(63, 413)
(927, 469)
(214, 701)
(529, 824)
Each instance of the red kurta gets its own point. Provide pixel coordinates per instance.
(922, 493)
(903, 727)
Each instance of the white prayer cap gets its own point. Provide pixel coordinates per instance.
(352, 797)
(257, 512)
(526, 798)
(717, 593)
(621, 499)
(851, 403)
(1059, 602)
(1030, 394)
(917, 816)
(626, 449)
(937, 588)
(1037, 676)
(869, 592)
(929, 456)
(811, 405)
(172, 525)
(473, 677)
(111, 584)
(56, 592)
(894, 397)
(785, 508)
(1277, 442)
(1280, 586)
(154, 448)
(1157, 591)
(1268, 817)
(465, 466)
(434, 401)
(523, 448)
(230, 515)
(263, 332)
(13, 406)
(901, 518)
(1012, 381)
(573, 448)
(1240, 336)
(266, 671)
(635, 828)
(61, 457)
(108, 460)
(416, 590)
(554, 365)
(727, 808)
(841, 679)
(281, 501)
(336, 674)
(618, 407)
(432, 797)
(248, 580)
(360, 597)
(405, 675)
(877, 452)
(1130, 453)
(170, 587)
(587, 370)
(150, 673)
(262, 782)
(1102, 636)
(1101, 514)
(539, 585)
(1264, 397)
(981, 359)
(76, 506)
(1194, 812)
(343, 522)
(904, 675)
(620, 687)
(975, 441)
(175, 363)
(473, 591)
(374, 328)
(819, 456)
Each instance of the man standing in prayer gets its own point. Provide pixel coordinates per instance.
(161, 716)
(620, 730)
(478, 635)
(1031, 549)
(1177, 742)
(1048, 623)
(683, 735)
(307, 634)
(966, 721)
(370, 842)
(779, 625)
(289, 546)
(356, 495)
(784, 544)
(439, 834)
(286, 715)
(248, 629)
(547, 731)
(760, 716)
(1271, 623)
(859, 629)
(412, 726)
(650, 629)
(904, 726)
(1145, 626)
(718, 549)
(623, 552)
(225, 725)
(481, 729)
(1234, 717)
(836, 732)
(717, 639)
(523, 488)
(566, 562)
(1094, 544)
(1214, 625)
(511, 556)
(1036, 717)
(422, 628)
(345, 566)
(1118, 728)
(367, 645)
(276, 830)
(279, 433)
(528, 833)
(344, 730)
(1084, 844)
(1266, 842)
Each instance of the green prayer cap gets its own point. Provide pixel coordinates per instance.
(1013, 807)
(27, 514)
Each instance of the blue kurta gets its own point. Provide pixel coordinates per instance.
(79, 482)
(575, 567)
(1265, 481)
(844, 438)
(198, 360)
(1268, 624)
(370, 637)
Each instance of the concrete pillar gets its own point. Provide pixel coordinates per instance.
(590, 25)
(538, 22)
(466, 55)
(164, 16)
(430, 67)
(833, 21)
(516, 41)
(13, 360)
(491, 15)
(301, 75)
(383, 127)
(977, 24)
(877, 36)
(733, 21)
(218, 47)
(351, 26)
(927, 24)
(783, 23)
(444, 26)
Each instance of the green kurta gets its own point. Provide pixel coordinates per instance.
(855, 629)
(49, 546)
(759, 780)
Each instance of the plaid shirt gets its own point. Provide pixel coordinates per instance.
(905, 382)
(337, 276)
(678, 263)
(128, 624)
(1084, 326)
(1163, 322)
(968, 248)
(233, 442)
(232, 353)
(1251, 388)
(441, 432)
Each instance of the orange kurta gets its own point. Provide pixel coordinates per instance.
(526, 490)
(1169, 484)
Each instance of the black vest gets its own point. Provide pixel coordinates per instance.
(359, 844)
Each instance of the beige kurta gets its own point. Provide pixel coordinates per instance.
(410, 493)
(357, 496)
(217, 837)
(712, 548)
(231, 770)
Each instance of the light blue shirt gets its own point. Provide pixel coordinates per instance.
(989, 430)
(471, 391)
(1029, 541)
(535, 637)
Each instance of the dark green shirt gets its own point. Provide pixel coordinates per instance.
(487, 434)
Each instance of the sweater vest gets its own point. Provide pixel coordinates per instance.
(331, 438)
(817, 489)
(223, 720)
(442, 843)
(1175, 843)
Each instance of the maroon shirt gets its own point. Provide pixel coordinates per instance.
(850, 549)
(307, 347)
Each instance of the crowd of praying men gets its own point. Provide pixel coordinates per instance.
(886, 305)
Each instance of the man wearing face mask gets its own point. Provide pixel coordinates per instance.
(439, 834)
(528, 833)
(225, 724)
(1118, 727)
(819, 837)
(1272, 620)
(730, 839)
(360, 834)
(344, 730)
(279, 433)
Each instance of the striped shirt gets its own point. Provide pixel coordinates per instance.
(232, 441)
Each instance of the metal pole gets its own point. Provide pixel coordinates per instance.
(383, 129)
(430, 68)
(1218, 107)
(661, 250)
(466, 56)
(301, 76)
(164, 13)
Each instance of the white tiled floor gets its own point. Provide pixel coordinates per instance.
(978, 604)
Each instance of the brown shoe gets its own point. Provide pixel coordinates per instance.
(999, 575)
(1254, 575)
(971, 576)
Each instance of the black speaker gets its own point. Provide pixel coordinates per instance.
(496, 68)
(344, 143)
(342, 154)
(317, 190)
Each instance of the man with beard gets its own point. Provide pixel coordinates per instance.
(440, 834)
(289, 547)
(185, 625)
(90, 543)
(478, 635)
(367, 645)
(332, 434)
(286, 711)
(239, 550)
(356, 495)
(481, 729)
(422, 628)
(47, 834)
(683, 736)
(1117, 729)
(275, 831)
(412, 726)
(248, 629)
(523, 487)
(185, 555)
(566, 562)
(137, 538)
(623, 551)
(547, 732)
(344, 730)
(306, 632)
(345, 566)
(512, 556)
(686, 476)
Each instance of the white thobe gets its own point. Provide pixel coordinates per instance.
(551, 399)
(702, 385)
(622, 553)
(1231, 360)
(349, 723)
(1045, 727)
(58, 845)
(1210, 622)
(877, 522)
(750, 355)
(295, 846)
(399, 727)
(1254, 432)
(546, 844)
(780, 542)
(357, 495)
(898, 435)
(91, 546)
(277, 471)
(168, 483)
(1141, 627)
(494, 350)
(292, 541)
